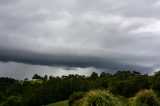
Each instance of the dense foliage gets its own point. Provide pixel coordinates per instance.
(74, 97)
(98, 98)
(49, 89)
(145, 98)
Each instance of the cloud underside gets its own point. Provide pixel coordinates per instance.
(22, 71)
(106, 34)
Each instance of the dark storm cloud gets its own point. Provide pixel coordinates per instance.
(114, 63)
(106, 34)
(50, 60)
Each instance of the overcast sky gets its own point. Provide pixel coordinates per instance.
(56, 37)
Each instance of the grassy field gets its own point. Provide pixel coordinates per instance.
(61, 103)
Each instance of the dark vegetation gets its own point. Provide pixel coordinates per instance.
(115, 90)
(105, 98)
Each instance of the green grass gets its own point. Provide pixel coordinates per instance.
(144, 98)
(61, 103)
(99, 98)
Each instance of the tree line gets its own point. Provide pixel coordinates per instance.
(43, 90)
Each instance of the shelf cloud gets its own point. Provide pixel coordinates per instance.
(106, 35)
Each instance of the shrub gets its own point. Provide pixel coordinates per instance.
(144, 98)
(98, 98)
(74, 97)
(12, 101)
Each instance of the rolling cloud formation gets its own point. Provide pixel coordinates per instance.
(105, 35)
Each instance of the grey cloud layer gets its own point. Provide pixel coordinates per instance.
(107, 34)
(21, 71)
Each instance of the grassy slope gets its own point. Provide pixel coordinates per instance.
(61, 103)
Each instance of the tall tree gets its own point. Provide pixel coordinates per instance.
(94, 76)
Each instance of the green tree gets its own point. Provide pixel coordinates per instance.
(103, 75)
(94, 76)
(36, 76)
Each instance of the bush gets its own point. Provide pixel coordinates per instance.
(12, 101)
(144, 98)
(98, 98)
(74, 97)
